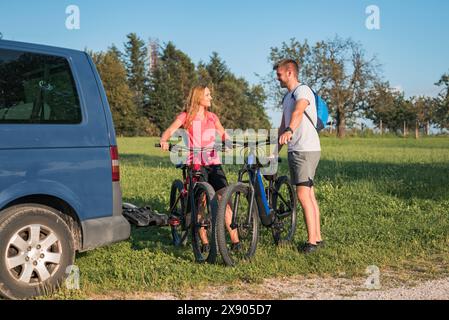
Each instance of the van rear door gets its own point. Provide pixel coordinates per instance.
(53, 128)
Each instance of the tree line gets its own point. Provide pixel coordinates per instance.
(352, 84)
(146, 90)
(147, 85)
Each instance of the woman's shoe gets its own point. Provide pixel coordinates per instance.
(205, 248)
(236, 247)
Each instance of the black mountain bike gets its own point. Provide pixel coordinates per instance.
(193, 207)
(250, 201)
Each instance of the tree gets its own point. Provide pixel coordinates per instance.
(389, 109)
(204, 76)
(217, 69)
(135, 58)
(113, 48)
(170, 84)
(424, 108)
(338, 69)
(441, 115)
(381, 105)
(239, 105)
(113, 76)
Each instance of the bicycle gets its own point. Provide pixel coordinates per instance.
(193, 199)
(275, 206)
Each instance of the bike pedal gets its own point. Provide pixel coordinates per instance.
(234, 226)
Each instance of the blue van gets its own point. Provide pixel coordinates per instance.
(59, 171)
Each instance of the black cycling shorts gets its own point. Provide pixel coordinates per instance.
(215, 175)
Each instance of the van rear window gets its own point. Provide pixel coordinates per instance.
(37, 88)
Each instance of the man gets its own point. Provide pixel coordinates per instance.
(298, 130)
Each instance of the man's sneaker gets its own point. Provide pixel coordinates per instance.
(236, 247)
(308, 248)
(205, 248)
(321, 244)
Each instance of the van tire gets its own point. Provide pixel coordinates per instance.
(36, 248)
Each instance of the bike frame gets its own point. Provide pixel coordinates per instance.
(258, 195)
(189, 182)
(191, 175)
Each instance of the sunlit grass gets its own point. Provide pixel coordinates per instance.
(384, 202)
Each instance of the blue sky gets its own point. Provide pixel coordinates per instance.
(412, 43)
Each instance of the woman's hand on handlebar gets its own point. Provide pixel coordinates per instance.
(164, 145)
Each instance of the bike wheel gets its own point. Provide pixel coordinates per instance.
(177, 221)
(284, 203)
(203, 223)
(238, 197)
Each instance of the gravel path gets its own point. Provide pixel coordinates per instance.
(299, 288)
(330, 289)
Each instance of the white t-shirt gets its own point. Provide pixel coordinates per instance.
(305, 138)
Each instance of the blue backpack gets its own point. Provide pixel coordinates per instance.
(322, 111)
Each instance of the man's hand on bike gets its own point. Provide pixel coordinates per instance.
(285, 138)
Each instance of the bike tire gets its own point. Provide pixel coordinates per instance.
(179, 233)
(204, 221)
(248, 234)
(284, 229)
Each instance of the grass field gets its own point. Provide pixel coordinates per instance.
(384, 202)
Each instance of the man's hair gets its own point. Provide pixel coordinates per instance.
(287, 63)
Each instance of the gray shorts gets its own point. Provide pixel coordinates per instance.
(302, 166)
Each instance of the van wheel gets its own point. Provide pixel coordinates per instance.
(36, 247)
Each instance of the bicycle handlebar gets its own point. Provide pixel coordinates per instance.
(177, 147)
(217, 147)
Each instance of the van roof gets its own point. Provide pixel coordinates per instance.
(34, 46)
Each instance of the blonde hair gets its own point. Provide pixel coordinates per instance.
(193, 104)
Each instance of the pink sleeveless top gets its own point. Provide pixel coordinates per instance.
(202, 134)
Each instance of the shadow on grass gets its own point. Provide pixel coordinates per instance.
(408, 180)
(159, 239)
(156, 237)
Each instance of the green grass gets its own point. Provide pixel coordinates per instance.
(384, 202)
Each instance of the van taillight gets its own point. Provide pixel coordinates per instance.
(115, 164)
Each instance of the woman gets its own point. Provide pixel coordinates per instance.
(202, 127)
